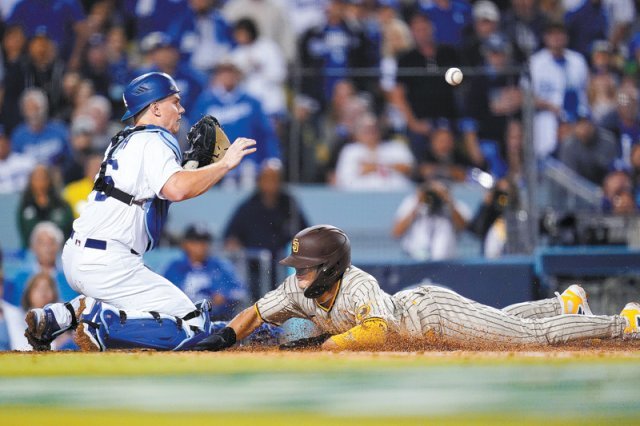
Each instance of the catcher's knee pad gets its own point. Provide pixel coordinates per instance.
(102, 326)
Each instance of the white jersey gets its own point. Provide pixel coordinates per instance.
(551, 80)
(425, 309)
(15, 171)
(385, 156)
(140, 166)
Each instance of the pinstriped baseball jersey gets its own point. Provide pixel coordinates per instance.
(358, 298)
(416, 311)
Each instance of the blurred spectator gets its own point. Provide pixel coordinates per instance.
(83, 93)
(15, 67)
(76, 192)
(524, 24)
(40, 291)
(585, 25)
(82, 132)
(346, 109)
(618, 196)
(427, 222)
(488, 222)
(95, 65)
(267, 220)
(204, 276)
(624, 121)
(44, 68)
(635, 172)
(602, 96)
(621, 15)
(264, 67)
(149, 16)
(116, 45)
(371, 163)
(396, 39)
(602, 59)
(271, 19)
(589, 151)
(449, 17)
(360, 15)
(514, 142)
(41, 202)
(98, 108)
(15, 167)
(493, 99)
(330, 51)
(12, 324)
(304, 14)
(241, 115)
(553, 10)
(63, 20)
(102, 15)
(70, 83)
(442, 159)
(604, 79)
(559, 77)
(486, 22)
(45, 140)
(43, 257)
(202, 34)
(421, 98)
(164, 56)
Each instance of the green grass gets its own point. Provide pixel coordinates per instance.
(274, 388)
(158, 363)
(21, 416)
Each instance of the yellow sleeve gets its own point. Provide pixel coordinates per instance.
(372, 333)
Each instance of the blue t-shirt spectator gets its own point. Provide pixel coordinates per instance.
(49, 146)
(241, 116)
(585, 25)
(202, 39)
(153, 15)
(449, 23)
(213, 277)
(56, 17)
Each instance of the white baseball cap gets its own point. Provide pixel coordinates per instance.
(485, 9)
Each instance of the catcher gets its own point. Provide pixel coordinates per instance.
(123, 303)
(352, 312)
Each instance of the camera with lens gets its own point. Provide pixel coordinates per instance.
(500, 200)
(433, 200)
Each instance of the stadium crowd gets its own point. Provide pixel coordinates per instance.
(350, 92)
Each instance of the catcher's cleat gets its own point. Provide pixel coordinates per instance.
(42, 328)
(574, 301)
(631, 313)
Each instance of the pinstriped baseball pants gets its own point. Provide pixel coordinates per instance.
(455, 317)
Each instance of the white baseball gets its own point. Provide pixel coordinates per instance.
(453, 76)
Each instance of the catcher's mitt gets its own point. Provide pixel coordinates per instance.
(207, 143)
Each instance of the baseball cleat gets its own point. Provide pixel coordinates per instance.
(631, 313)
(42, 328)
(574, 301)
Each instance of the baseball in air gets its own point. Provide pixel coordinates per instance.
(453, 76)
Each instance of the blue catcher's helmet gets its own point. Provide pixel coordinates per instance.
(146, 89)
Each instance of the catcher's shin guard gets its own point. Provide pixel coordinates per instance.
(103, 327)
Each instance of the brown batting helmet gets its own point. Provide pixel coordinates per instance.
(324, 246)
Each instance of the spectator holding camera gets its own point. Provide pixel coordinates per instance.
(488, 222)
(427, 222)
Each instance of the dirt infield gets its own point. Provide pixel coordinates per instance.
(439, 345)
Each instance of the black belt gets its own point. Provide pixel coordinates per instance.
(98, 244)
